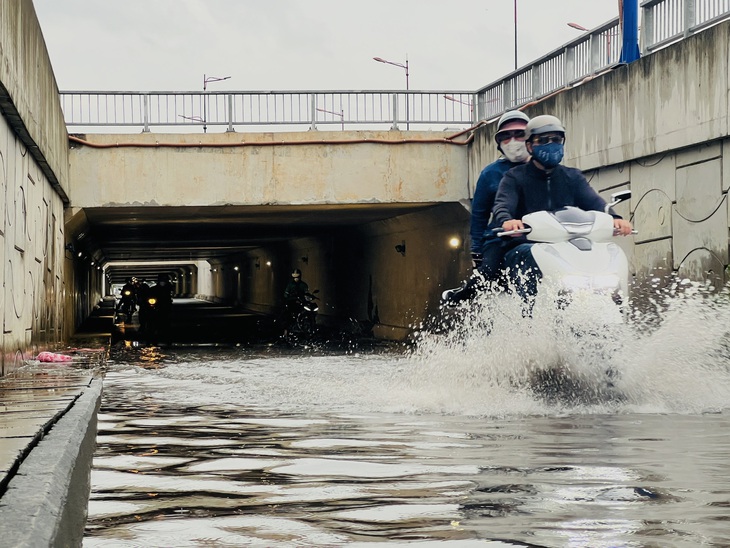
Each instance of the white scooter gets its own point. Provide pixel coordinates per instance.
(576, 252)
(580, 263)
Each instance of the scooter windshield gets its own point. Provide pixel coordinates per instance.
(575, 220)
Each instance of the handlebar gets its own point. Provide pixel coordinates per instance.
(512, 232)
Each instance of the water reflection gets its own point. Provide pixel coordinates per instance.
(252, 447)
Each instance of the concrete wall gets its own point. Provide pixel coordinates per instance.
(660, 127)
(256, 169)
(33, 175)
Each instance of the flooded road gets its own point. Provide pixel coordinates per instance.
(447, 443)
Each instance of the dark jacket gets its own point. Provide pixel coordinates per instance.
(526, 189)
(483, 201)
(295, 291)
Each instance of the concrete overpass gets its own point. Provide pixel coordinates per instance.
(231, 213)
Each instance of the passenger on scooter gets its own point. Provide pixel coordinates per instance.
(510, 138)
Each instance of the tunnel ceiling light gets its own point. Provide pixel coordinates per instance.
(454, 242)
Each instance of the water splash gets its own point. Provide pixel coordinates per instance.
(672, 356)
(486, 358)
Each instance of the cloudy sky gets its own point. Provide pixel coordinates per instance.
(169, 45)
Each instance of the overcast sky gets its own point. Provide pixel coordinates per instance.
(168, 45)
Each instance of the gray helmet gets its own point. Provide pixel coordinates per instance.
(545, 123)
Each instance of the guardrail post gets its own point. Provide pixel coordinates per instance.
(230, 113)
(689, 16)
(536, 87)
(509, 97)
(569, 65)
(395, 112)
(596, 53)
(647, 32)
(313, 110)
(146, 112)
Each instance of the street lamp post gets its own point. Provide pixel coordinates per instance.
(515, 4)
(207, 79)
(380, 60)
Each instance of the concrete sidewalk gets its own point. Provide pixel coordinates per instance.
(47, 439)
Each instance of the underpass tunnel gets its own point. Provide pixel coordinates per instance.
(383, 265)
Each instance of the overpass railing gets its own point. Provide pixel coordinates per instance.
(663, 23)
(339, 109)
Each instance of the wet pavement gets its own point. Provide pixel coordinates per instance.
(35, 397)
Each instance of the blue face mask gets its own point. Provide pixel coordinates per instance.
(548, 155)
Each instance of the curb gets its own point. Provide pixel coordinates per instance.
(46, 502)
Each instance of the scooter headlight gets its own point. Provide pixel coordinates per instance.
(604, 281)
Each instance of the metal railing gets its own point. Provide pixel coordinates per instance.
(663, 22)
(394, 109)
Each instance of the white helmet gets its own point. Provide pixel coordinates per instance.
(510, 116)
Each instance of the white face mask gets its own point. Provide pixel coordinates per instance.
(515, 151)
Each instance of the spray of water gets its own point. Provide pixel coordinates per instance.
(673, 355)
(488, 358)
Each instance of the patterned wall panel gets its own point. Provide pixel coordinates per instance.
(699, 190)
(652, 259)
(653, 173)
(709, 234)
(652, 215)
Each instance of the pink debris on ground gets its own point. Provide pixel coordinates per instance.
(53, 357)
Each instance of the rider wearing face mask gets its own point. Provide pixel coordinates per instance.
(544, 183)
(510, 138)
(540, 184)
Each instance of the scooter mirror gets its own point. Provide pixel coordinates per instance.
(620, 196)
(617, 198)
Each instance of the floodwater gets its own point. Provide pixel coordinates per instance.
(455, 441)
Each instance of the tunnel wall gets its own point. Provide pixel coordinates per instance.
(360, 275)
(33, 175)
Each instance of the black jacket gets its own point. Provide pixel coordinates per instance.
(526, 189)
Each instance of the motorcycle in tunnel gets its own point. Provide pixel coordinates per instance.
(128, 302)
(302, 315)
(155, 311)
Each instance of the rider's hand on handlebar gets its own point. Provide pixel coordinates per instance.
(621, 227)
(513, 224)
